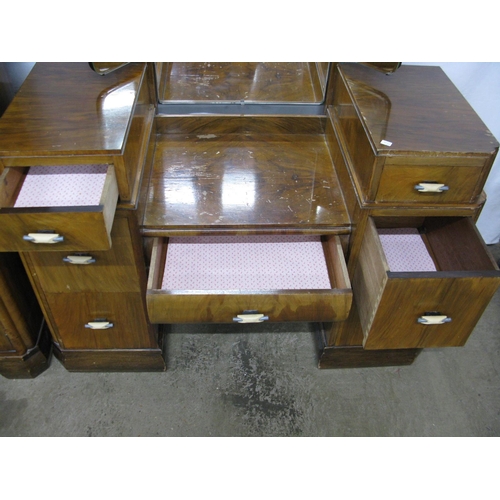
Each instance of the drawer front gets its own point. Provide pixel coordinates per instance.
(419, 309)
(100, 321)
(106, 271)
(409, 307)
(27, 228)
(214, 307)
(225, 306)
(428, 185)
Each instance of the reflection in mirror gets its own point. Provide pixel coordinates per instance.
(385, 67)
(103, 68)
(241, 82)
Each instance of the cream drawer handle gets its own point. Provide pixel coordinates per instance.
(79, 259)
(431, 187)
(43, 238)
(434, 319)
(99, 325)
(250, 318)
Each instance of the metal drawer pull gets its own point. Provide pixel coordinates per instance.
(99, 325)
(431, 187)
(250, 318)
(79, 259)
(433, 320)
(43, 238)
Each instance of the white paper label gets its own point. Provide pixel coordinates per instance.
(385, 143)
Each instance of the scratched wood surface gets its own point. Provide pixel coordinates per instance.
(68, 109)
(248, 81)
(244, 182)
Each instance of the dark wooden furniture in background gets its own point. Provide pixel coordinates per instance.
(400, 150)
(25, 344)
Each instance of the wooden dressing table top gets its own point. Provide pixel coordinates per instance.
(67, 109)
(243, 174)
(417, 109)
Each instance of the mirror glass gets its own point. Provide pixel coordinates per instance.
(212, 82)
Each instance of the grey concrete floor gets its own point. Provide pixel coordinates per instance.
(230, 383)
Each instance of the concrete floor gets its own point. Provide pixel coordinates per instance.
(267, 384)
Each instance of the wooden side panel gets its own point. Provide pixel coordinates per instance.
(355, 140)
(370, 277)
(137, 143)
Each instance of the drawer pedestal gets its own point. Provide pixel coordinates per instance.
(395, 174)
(97, 311)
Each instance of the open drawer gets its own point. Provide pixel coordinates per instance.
(221, 279)
(57, 207)
(422, 283)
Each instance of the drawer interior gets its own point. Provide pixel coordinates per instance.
(432, 244)
(428, 290)
(255, 262)
(54, 186)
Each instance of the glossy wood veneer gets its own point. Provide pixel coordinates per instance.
(243, 174)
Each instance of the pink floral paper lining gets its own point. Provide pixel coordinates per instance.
(245, 263)
(67, 185)
(405, 250)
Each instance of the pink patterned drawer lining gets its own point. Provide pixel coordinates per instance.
(405, 250)
(245, 263)
(68, 185)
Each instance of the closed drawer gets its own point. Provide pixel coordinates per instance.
(424, 285)
(430, 184)
(410, 138)
(113, 270)
(100, 321)
(248, 279)
(57, 208)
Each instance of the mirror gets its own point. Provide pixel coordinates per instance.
(104, 68)
(385, 67)
(235, 83)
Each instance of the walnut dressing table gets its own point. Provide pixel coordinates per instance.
(130, 210)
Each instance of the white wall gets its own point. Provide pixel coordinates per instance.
(479, 82)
